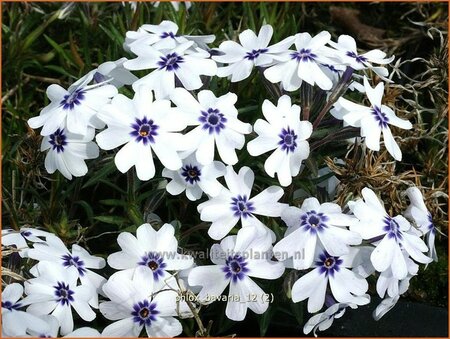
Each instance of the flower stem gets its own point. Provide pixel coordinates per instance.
(337, 92)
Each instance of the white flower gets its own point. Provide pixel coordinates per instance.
(389, 284)
(134, 305)
(164, 36)
(195, 178)
(156, 251)
(346, 286)
(177, 63)
(15, 323)
(303, 64)
(54, 250)
(19, 239)
(348, 54)
(217, 124)
(55, 291)
(312, 225)
(75, 108)
(142, 125)
(323, 321)
(286, 134)
(67, 152)
(390, 235)
(235, 204)
(53, 327)
(114, 73)
(374, 119)
(418, 212)
(253, 51)
(236, 259)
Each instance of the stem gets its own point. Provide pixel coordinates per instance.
(202, 330)
(337, 92)
(345, 133)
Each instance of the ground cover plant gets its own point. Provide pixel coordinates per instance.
(174, 169)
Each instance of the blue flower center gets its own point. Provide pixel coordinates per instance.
(144, 130)
(359, 58)
(74, 261)
(288, 140)
(242, 207)
(167, 35)
(72, 99)
(144, 312)
(63, 293)
(303, 55)
(328, 264)
(170, 62)
(392, 229)
(235, 268)
(212, 120)
(255, 53)
(314, 222)
(191, 174)
(25, 234)
(155, 262)
(58, 140)
(10, 306)
(380, 117)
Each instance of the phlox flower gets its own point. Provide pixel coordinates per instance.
(164, 36)
(348, 54)
(75, 108)
(252, 51)
(217, 123)
(179, 63)
(52, 332)
(21, 238)
(54, 250)
(142, 125)
(314, 225)
(346, 286)
(195, 178)
(235, 204)
(286, 134)
(303, 64)
(55, 291)
(114, 73)
(67, 152)
(236, 260)
(418, 212)
(156, 251)
(135, 304)
(374, 120)
(323, 321)
(391, 235)
(16, 323)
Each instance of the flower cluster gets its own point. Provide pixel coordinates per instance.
(197, 136)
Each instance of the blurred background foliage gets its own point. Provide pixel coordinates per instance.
(45, 43)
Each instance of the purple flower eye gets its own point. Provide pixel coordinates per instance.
(235, 268)
(58, 140)
(144, 312)
(213, 120)
(75, 98)
(170, 62)
(155, 262)
(64, 293)
(191, 174)
(144, 130)
(288, 140)
(242, 207)
(303, 55)
(328, 264)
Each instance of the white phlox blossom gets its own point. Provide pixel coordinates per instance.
(235, 204)
(237, 260)
(19, 239)
(75, 108)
